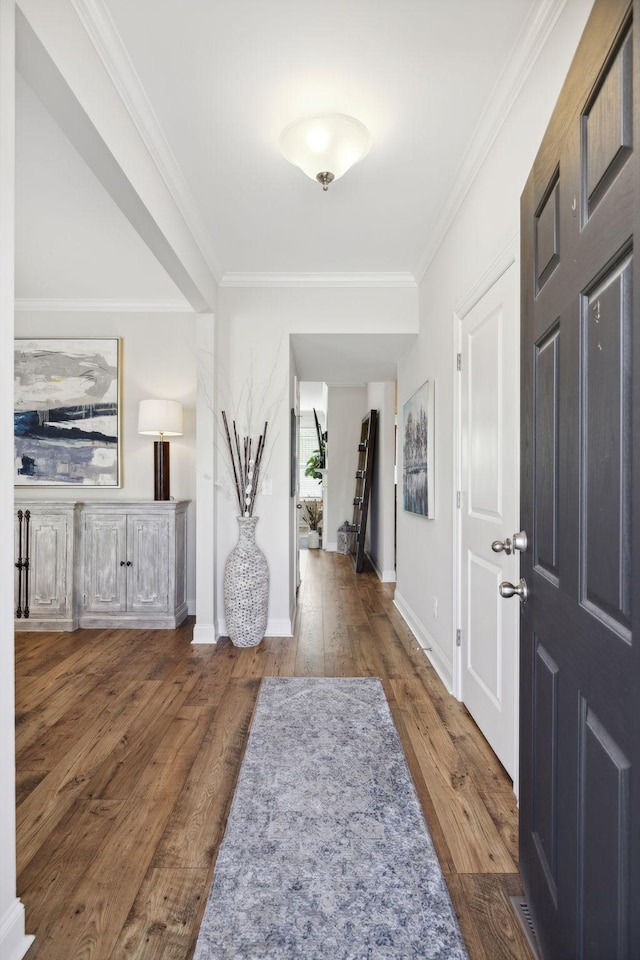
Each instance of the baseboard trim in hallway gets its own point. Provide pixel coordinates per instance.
(440, 663)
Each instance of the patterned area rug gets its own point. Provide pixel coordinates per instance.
(326, 855)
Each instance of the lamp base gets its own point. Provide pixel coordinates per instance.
(161, 470)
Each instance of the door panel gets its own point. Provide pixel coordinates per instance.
(489, 511)
(544, 822)
(546, 453)
(547, 250)
(580, 437)
(105, 551)
(606, 447)
(608, 125)
(483, 353)
(148, 573)
(48, 567)
(484, 647)
(604, 814)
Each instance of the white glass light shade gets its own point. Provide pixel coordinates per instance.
(329, 143)
(160, 417)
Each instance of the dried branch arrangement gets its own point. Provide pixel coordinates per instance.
(245, 463)
(312, 513)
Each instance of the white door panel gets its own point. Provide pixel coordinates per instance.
(489, 511)
(484, 646)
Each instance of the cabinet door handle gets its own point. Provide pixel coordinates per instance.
(129, 563)
(122, 563)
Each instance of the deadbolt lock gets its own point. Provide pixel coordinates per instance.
(517, 542)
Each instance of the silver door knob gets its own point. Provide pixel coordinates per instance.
(507, 590)
(499, 545)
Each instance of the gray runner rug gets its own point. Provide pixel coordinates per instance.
(326, 854)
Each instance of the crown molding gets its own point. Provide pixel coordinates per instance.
(496, 269)
(532, 39)
(101, 30)
(318, 280)
(59, 305)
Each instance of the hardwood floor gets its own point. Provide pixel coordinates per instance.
(128, 750)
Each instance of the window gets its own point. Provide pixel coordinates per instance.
(309, 487)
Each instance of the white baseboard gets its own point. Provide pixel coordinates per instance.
(275, 628)
(331, 547)
(14, 942)
(279, 628)
(204, 633)
(384, 576)
(437, 658)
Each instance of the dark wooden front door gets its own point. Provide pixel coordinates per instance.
(580, 496)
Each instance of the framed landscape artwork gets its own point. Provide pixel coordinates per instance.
(67, 412)
(417, 452)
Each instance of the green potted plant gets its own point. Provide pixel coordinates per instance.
(315, 464)
(318, 459)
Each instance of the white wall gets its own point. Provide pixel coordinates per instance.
(346, 407)
(158, 360)
(205, 462)
(486, 223)
(380, 543)
(13, 942)
(254, 325)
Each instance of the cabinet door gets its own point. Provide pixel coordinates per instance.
(49, 594)
(148, 576)
(105, 559)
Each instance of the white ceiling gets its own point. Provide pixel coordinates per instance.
(218, 80)
(348, 357)
(224, 77)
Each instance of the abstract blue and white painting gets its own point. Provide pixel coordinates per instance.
(66, 412)
(417, 452)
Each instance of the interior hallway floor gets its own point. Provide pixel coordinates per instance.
(129, 744)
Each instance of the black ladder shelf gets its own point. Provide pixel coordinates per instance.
(364, 479)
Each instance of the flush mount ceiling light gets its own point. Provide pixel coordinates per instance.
(325, 146)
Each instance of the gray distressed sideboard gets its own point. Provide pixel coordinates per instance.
(101, 564)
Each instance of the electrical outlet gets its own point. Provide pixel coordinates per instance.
(266, 487)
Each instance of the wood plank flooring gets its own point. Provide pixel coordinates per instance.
(129, 745)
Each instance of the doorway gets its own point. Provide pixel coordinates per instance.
(311, 467)
(488, 510)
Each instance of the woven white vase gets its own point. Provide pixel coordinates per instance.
(246, 588)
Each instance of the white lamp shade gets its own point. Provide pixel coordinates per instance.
(329, 143)
(160, 417)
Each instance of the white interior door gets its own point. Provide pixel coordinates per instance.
(489, 511)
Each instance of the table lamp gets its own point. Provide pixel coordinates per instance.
(161, 418)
